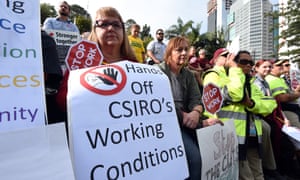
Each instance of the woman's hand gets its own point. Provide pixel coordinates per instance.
(287, 122)
(211, 121)
(191, 119)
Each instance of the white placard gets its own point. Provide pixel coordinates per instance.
(64, 40)
(123, 124)
(234, 47)
(21, 80)
(219, 151)
(35, 154)
(291, 131)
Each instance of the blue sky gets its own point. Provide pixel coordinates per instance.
(155, 13)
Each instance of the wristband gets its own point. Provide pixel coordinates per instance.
(197, 110)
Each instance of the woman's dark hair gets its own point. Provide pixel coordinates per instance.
(237, 57)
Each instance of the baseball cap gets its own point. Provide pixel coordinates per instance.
(218, 52)
(278, 62)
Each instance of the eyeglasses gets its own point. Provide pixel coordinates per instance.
(160, 33)
(105, 24)
(245, 62)
(286, 65)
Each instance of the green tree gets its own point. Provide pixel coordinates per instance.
(209, 41)
(179, 29)
(194, 34)
(47, 10)
(291, 34)
(81, 18)
(77, 10)
(84, 24)
(145, 35)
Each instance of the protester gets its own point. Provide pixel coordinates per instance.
(156, 48)
(194, 66)
(136, 43)
(109, 33)
(281, 91)
(62, 21)
(242, 101)
(270, 160)
(286, 72)
(67, 30)
(52, 76)
(187, 100)
(288, 101)
(203, 60)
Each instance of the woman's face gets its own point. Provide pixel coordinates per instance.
(264, 69)
(109, 31)
(179, 55)
(245, 62)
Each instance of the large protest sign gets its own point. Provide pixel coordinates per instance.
(219, 151)
(35, 153)
(123, 124)
(64, 40)
(21, 71)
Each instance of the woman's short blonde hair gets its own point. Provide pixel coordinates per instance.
(126, 50)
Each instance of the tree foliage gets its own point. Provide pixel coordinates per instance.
(179, 29)
(208, 41)
(84, 24)
(291, 34)
(47, 10)
(77, 10)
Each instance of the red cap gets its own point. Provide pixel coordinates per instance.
(218, 52)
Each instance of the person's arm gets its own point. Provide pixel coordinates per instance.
(47, 24)
(288, 97)
(151, 55)
(61, 96)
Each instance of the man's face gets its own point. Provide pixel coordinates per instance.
(64, 10)
(160, 35)
(286, 66)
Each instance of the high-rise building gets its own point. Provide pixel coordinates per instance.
(217, 11)
(248, 20)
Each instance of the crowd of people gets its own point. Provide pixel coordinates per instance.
(257, 94)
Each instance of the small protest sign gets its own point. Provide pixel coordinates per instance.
(212, 98)
(83, 54)
(219, 151)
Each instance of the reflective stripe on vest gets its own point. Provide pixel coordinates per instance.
(277, 89)
(240, 118)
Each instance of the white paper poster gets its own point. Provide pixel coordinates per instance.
(35, 154)
(123, 124)
(21, 79)
(219, 152)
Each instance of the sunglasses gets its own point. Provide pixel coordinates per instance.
(286, 65)
(224, 55)
(245, 62)
(105, 24)
(160, 33)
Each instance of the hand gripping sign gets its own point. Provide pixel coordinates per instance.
(83, 54)
(212, 98)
